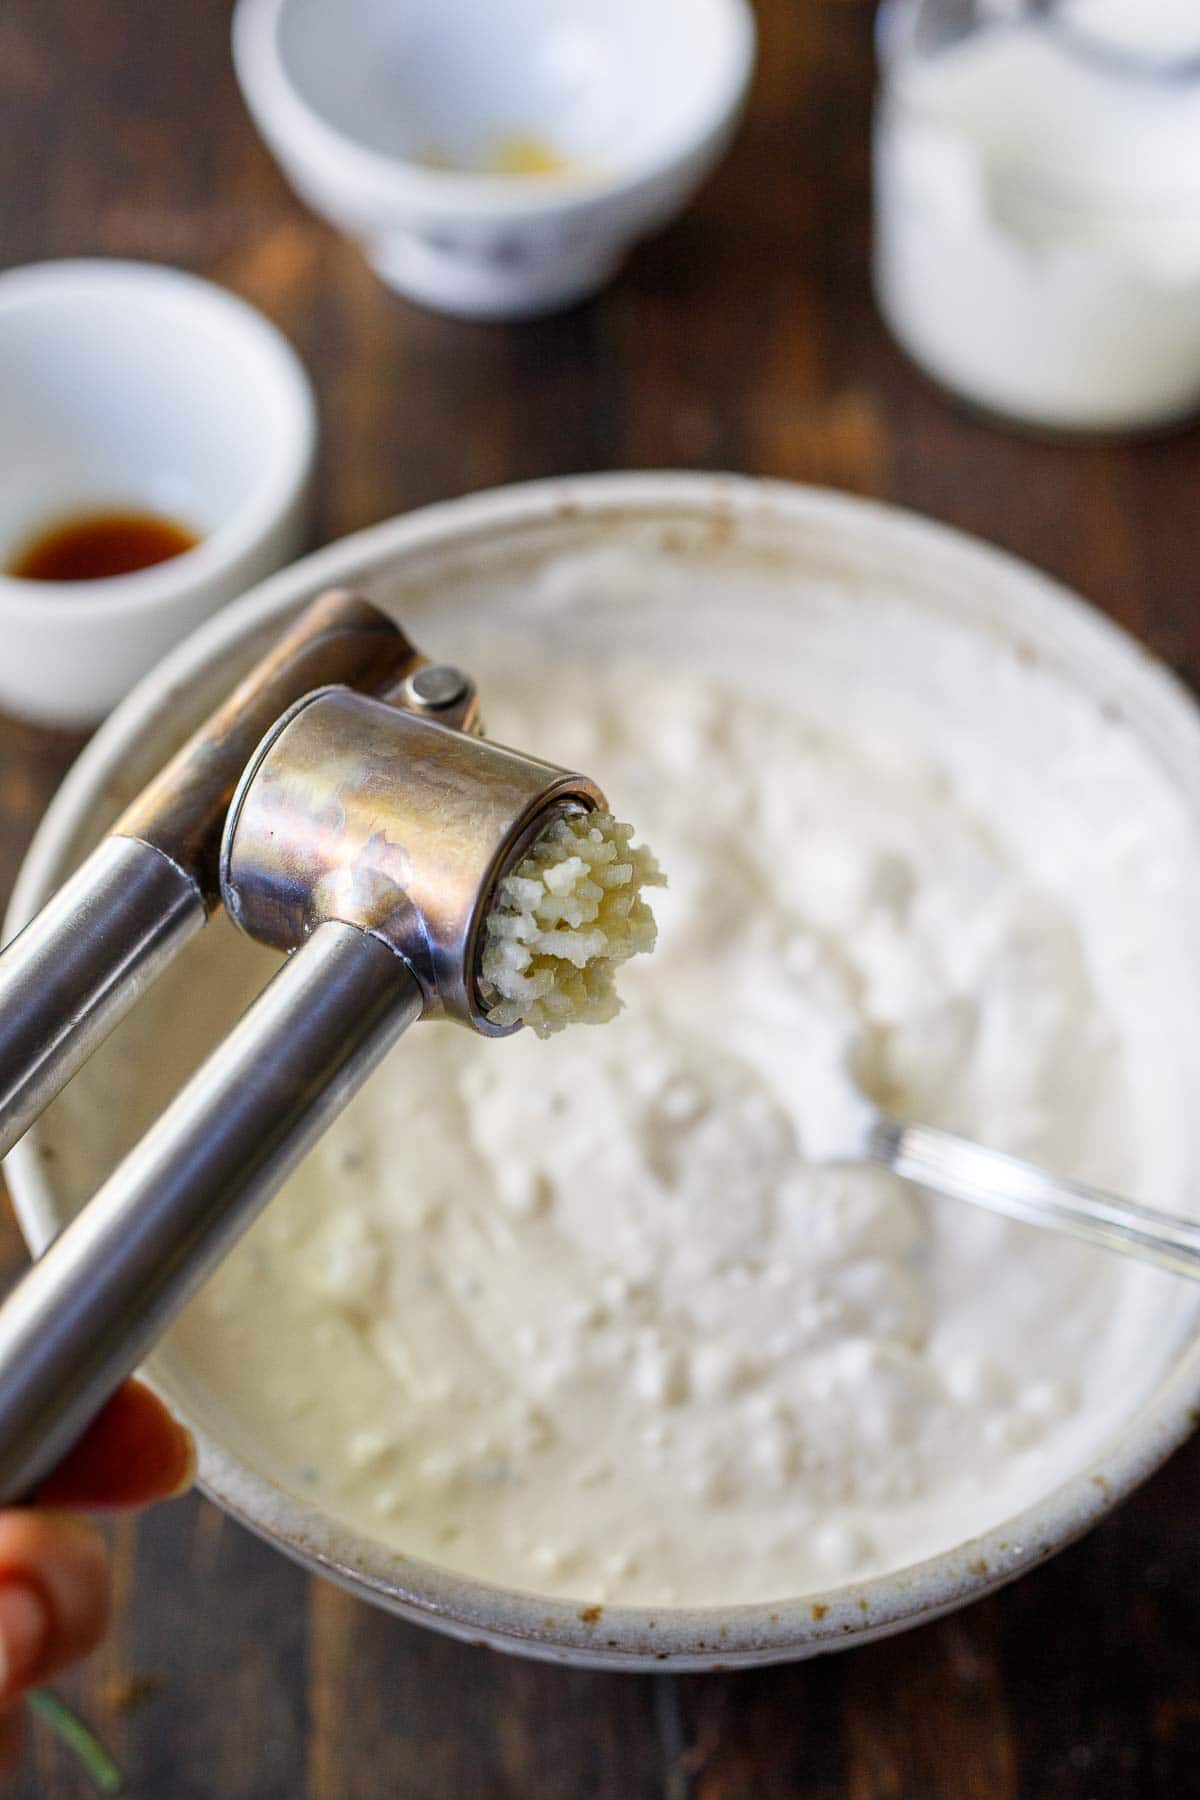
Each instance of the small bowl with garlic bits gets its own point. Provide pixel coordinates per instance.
(496, 158)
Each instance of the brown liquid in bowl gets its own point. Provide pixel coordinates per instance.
(95, 546)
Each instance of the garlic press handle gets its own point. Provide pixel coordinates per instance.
(86, 1314)
(79, 966)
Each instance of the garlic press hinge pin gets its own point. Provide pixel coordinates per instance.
(442, 692)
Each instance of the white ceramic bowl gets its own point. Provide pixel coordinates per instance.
(358, 98)
(130, 386)
(828, 554)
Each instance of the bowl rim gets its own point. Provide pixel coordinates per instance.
(279, 486)
(389, 181)
(628, 1636)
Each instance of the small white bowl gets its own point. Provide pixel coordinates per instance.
(387, 118)
(128, 386)
(827, 559)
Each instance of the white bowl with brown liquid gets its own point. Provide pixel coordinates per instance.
(157, 439)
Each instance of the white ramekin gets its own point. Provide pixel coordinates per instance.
(842, 546)
(357, 98)
(128, 385)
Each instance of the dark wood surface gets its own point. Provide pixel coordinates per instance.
(744, 338)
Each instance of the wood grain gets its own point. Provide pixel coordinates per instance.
(744, 338)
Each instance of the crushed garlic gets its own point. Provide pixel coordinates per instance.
(563, 921)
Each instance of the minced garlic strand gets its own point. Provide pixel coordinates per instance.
(563, 921)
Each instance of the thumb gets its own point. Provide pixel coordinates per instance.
(132, 1454)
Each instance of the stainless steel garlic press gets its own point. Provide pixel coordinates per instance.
(344, 807)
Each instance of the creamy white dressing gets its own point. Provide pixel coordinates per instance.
(583, 1317)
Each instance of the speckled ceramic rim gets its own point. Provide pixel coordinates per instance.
(1023, 608)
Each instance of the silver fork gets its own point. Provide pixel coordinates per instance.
(1020, 1190)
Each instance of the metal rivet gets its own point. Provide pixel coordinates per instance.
(437, 686)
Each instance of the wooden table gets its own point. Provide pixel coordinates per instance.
(744, 338)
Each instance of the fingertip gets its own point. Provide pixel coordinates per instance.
(26, 1629)
(57, 1564)
(134, 1453)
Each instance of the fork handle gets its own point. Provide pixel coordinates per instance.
(1020, 1190)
